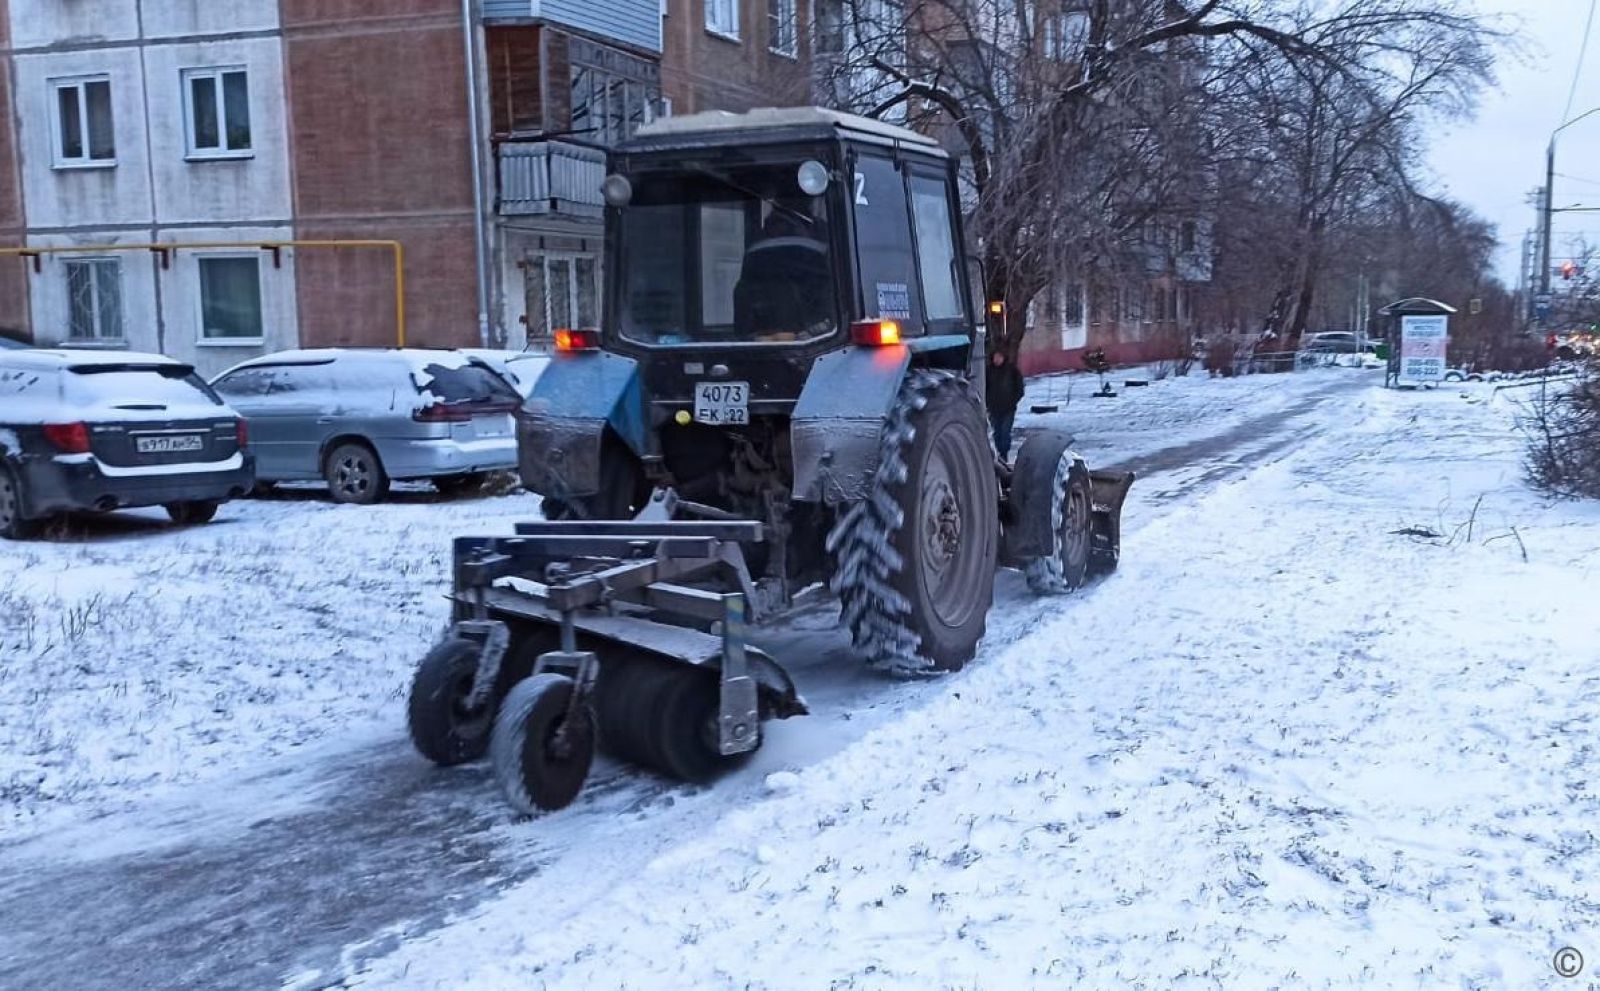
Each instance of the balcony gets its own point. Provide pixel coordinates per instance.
(550, 177)
(633, 23)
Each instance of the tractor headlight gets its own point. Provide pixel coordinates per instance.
(813, 177)
(617, 190)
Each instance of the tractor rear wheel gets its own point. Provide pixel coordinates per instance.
(915, 559)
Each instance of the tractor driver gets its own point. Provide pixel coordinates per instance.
(785, 289)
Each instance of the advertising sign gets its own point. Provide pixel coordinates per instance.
(1422, 348)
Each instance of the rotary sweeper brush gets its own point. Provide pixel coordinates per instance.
(786, 400)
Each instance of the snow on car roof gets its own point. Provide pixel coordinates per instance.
(45, 359)
(416, 357)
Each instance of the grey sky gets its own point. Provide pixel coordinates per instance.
(1493, 161)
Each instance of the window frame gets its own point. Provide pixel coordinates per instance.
(219, 341)
(728, 31)
(192, 151)
(779, 14)
(79, 83)
(96, 265)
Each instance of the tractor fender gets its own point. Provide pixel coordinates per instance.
(562, 426)
(1028, 497)
(835, 428)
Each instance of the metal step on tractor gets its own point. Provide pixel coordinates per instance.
(785, 399)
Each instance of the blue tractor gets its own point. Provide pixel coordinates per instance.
(784, 400)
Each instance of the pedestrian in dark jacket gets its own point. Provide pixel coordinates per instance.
(1003, 386)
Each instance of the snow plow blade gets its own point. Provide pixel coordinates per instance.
(1109, 491)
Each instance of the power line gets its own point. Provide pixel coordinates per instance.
(1578, 178)
(1583, 50)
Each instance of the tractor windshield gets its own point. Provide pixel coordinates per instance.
(716, 257)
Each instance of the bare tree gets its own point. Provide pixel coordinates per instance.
(1083, 123)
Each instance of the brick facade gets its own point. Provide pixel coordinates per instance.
(380, 144)
(701, 70)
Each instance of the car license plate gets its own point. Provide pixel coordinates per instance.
(170, 444)
(492, 426)
(722, 403)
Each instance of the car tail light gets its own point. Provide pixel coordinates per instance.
(875, 333)
(440, 413)
(577, 340)
(68, 438)
(241, 432)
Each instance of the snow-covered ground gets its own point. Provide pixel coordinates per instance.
(1284, 746)
(134, 653)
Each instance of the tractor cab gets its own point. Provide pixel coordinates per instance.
(759, 241)
(741, 249)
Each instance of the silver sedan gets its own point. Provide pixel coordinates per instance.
(359, 419)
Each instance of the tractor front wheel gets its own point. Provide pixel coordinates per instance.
(1066, 567)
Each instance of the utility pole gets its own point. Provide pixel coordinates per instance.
(1549, 211)
(1549, 199)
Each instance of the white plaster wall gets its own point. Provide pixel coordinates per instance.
(234, 189)
(49, 22)
(48, 296)
(83, 197)
(180, 301)
(168, 18)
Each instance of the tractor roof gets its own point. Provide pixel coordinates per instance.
(773, 124)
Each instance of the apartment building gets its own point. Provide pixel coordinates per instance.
(166, 144)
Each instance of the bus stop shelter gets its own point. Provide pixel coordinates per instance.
(1418, 334)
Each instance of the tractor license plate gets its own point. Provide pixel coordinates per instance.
(722, 403)
(169, 444)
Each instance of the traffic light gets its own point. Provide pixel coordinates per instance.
(1569, 268)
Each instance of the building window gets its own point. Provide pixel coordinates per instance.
(1072, 303)
(562, 291)
(84, 132)
(230, 298)
(94, 299)
(217, 105)
(722, 17)
(1187, 236)
(1065, 34)
(783, 27)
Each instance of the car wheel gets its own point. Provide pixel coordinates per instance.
(355, 474)
(12, 524)
(192, 513)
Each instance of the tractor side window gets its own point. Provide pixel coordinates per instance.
(883, 242)
(936, 247)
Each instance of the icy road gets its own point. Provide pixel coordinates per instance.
(1283, 746)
